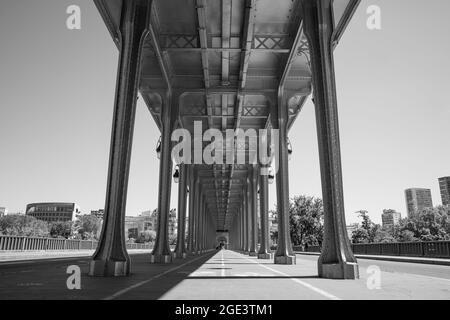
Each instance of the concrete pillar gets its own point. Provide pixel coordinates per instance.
(264, 252)
(243, 220)
(205, 217)
(190, 244)
(238, 229)
(200, 227)
(111, 258)
(280, 117)
(197, 208)
(161, 252)
(246, 219)
(337, 260)
(243, 227)
(180, 249)
(253, 196)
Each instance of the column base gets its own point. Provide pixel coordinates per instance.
(344, 271)
(285, 260)
(265, 256)
(252, 253)
(180, 255)
(160, 258)
(108, 268)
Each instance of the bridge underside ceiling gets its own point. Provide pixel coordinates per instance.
(227, 63)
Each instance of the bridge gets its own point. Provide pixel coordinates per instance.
(233, 68)
(221, 275)
(224, 81)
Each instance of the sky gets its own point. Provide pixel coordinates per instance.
(57, 93)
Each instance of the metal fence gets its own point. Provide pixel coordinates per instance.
(432, 249)
(16, 243)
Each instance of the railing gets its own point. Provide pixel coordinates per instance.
(16, 243)
(432, 249)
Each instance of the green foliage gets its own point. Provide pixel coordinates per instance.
(360, 235)
(22, 225)
(146, 236)
(172, 239)
(88, 227)
(306, 220)
(61, 229)
(274, 236)
(431, 225)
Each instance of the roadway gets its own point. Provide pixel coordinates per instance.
(224, 275)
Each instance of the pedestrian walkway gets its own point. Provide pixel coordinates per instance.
(14, 256)
(425, 260)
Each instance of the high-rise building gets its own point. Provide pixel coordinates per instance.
(444, 186)
(3, 211)
(53, 211)
(390, 218)
(417, 199)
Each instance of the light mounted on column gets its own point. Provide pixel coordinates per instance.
(176, 174)
(270, 176)
(158, 148)
(289, 149)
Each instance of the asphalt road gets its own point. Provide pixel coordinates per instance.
(224, 275)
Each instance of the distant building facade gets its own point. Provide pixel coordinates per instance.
(53, 211)
(98, 213)
(444, 186)
(147, 221)
(417, 199)
(3, 211)
(390, 218)
(135, 226)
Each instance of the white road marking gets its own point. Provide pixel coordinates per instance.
(201, 273)
(137, 285)
(306, 285)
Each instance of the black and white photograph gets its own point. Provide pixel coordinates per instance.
(217, 158)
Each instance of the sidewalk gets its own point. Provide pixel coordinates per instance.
(436, 261)
(18, 256)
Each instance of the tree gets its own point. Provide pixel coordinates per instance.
(23, 225)
(147, 236)
(274, 236)
(172, 239)
(432, 224)
(407, 236)
(61, 229)
(360, 235)
(306, 220)
(370, 229)
(88, 226)
(383, 236)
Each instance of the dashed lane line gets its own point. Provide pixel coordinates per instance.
(222, 271)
